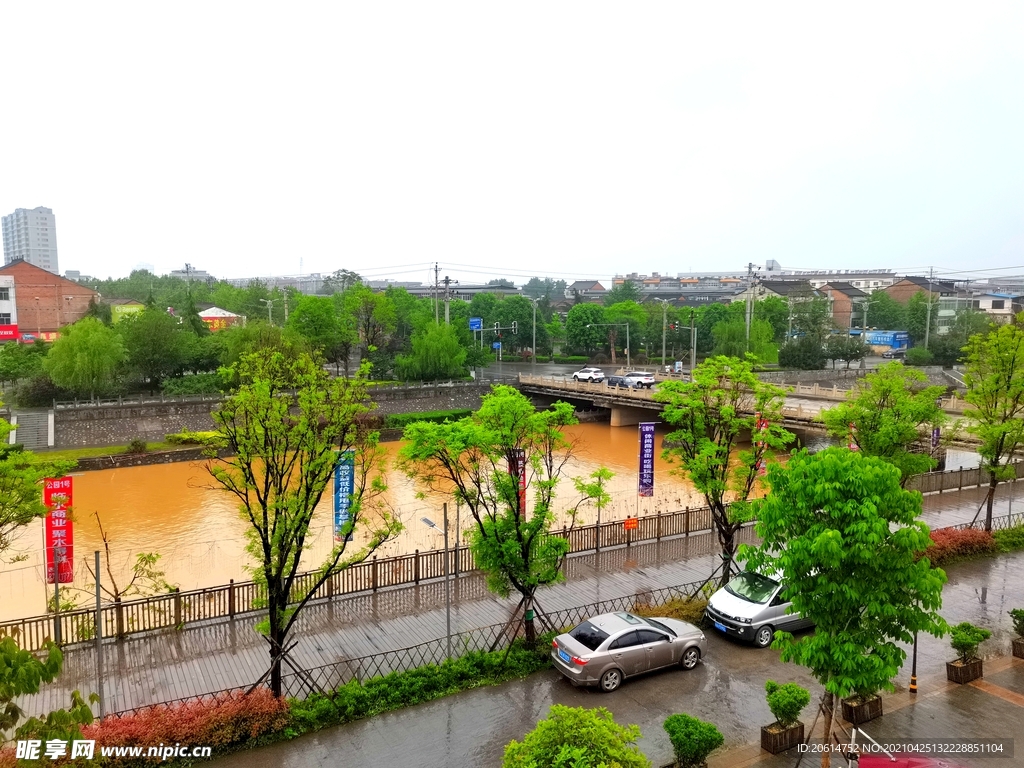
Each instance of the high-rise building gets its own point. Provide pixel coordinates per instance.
(31, 235)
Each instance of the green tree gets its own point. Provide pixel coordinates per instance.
(624, 313)
(812, 317)
(711, 415)
(100, 310)
(85, 357)
(316, 320)
(918, 316)
(804, 353)
(582, 333)
(627, 290)
(883, 312)
(775, 311)
(255, 336)
(731, 340)
(843, 347)
(555, 332)
(948, 349)
(189, 316)
(436, 354)
(844, 537)
(888, 410)
(156, 345)
(995, 387)
(22, 361)
(285, 426)
(474, 460)
(373, 315)
(577, 737)
(518, 310)
(340, 281)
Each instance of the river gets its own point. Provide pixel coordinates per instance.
(177, 511)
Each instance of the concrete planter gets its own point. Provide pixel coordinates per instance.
(775, 739)
(959, 672)
(857, 710)
(1018, 647)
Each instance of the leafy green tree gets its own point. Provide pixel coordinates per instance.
(995, 387)
(919, 356)
(804, 353)
(841, 346)
(340, 281)
(918, 316)
(883, 312)
(577, 737)
(22, 361)
(948, 349)
(85, 357)
(710, 316)
(844, 537)
(888, 409)
(812, 317)
(373, 315)
(155, 343)
(711, 415)
(254, 336)
(692, 740)
(627, 313)
(436, 354)
(473, 459)
(775, 311)
(555, 332)
(285, 426)
(547, 288)
(100, 310)
(316, 320)
(627, 290)
(731, 340)
(519, 310)
(578, 336)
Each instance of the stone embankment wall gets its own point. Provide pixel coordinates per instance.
(843, 378)
(82, 426)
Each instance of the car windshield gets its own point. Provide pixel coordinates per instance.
(589, 635)
(752, 586)
(657, 624)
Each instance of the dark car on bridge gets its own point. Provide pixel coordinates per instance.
(620, 381)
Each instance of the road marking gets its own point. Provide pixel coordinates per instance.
(997, 690)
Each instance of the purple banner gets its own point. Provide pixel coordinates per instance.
(646, 482)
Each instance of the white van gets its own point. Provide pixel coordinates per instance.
(751, 608)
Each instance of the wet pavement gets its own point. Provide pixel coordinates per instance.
(471, 728)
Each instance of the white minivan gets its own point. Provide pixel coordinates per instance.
(751, 607)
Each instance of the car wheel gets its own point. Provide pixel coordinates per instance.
(611, 680)
(576, 378)
(764, 636)
(690, 658)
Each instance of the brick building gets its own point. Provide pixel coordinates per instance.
(46, 302)
(847, 304)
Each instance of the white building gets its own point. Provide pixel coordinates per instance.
(8, 309)
(31, 235)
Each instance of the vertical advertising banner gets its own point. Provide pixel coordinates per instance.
(517, 468)
(344, 487)
(60, 539)
(935, 437)
(646, 480)
(760, 424)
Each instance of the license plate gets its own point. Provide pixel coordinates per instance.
(564, 656)
(721, 627)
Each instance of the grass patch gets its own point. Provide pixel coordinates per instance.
(73, 454)
(400, 420)
(689, 609)
(1010, 539)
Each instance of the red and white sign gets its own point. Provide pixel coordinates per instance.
(631, 524)
(8, 333)
(60, 538)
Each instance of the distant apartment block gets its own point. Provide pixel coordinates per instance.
(30, 235)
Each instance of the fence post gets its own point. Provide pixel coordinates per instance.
(687, 521)
(177, 606)
(416, 567)
(119, 613)
(231, 598)
(330, 585)
(961, 486)
(373, 575)
(658, 530)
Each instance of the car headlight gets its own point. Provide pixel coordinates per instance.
(744, 621)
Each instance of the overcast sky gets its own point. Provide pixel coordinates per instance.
(573, 139)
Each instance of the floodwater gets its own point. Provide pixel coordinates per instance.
(177, 511)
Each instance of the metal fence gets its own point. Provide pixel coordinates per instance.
(956, 479)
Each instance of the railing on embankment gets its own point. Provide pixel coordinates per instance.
(176, 609)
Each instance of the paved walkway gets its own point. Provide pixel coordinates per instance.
(727, 688)
(223, 654)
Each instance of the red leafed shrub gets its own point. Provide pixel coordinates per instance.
(952, 543)
(215, 722)
(7, 759)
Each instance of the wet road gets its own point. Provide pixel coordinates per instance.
(471, 729)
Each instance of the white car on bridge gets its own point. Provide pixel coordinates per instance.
(589, 374)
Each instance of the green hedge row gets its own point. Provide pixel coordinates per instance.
(400, 420)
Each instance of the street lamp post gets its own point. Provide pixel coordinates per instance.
(913, 668)
(533, 361)
(270, 308)
(616, 325)
(664, 325)
(447, 592)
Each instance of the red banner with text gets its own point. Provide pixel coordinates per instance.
(60, 538)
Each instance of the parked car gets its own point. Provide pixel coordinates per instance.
(588, 374)
(641, 379)
(751, 607)
(612, 647)
(619, 381)
(895, 354)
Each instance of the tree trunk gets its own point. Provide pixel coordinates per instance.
(528, 625)
(993, 481)
(276, 607)
(826, 755)
(727, 539)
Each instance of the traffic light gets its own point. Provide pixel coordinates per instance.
(515, 327)
(497, 327)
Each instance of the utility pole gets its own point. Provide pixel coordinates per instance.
(693, 343)
(270, 309)
(928, 310)
(447, 296)
(286, 307)
(437, 270)
(750, 299)
(664, 325)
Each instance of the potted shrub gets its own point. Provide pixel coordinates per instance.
(1017, 614)
(965, 639)
(862, 707)
(786, 703)
(692, 740)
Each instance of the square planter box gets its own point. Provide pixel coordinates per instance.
(958, 672)
(780, 740)
(1018, 647)
(857, 710)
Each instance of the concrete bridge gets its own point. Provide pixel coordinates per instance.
(631, 406)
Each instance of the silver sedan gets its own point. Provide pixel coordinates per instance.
(612, 647)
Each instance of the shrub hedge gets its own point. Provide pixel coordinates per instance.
(195, 384)
(692, 739)
(1010, 539)
(400, 420)
(684, 609)
(951, 544)
(187, 437)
